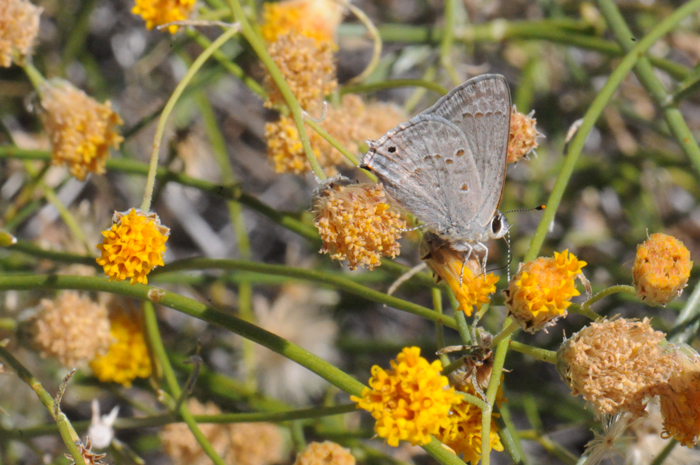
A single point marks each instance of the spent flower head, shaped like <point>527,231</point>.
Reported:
<point>159,12</point>
<point>89,457</point>
<point>71,328</point>
<point>307,66</point>
<point>127,357</point>
<point>661,269</point>
<point>19,26</point>
<point>133,246</point>
<point>324,453</point>
<point>471,287</point>
<point>410,401</point>
<point>522,140</point>
<point>81,129</point>
<point>614,364</point>
<point>315,19</point>
<point>356,223</point>
<point>680,397</point>
<point>541,290</point>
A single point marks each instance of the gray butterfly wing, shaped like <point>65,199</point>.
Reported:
<point>481,108</point>
<point>426,166</point>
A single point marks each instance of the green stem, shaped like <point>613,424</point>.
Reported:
<point>665,452</point>
<point>594,111</point>
<point>34,76</point>
<point>585,308</point>
<point>542,355</point>
<point>486,412</point>
<point>645,73</point>
<point>686,89</point>
<point>439,329</point>
<point>160,128</point>
<point>393,84</point>
<point>68,434</point>
<point>448,35</point>
<point>463,328</point>
<point>336,281</point>
<point>506,332</point>
<point>688,321</point>
<point>156,343</point>
<point>259,47</point>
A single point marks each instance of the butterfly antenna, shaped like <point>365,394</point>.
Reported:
<point>538,208</point>
<point>510,255</point>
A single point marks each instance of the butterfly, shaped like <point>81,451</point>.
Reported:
<point>447,165</point>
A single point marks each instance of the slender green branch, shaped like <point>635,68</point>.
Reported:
<point>35,77</point>
<point>463,327</point>
<point>393,84</point>
<point>64,426</point>
<point>160,128</point>
<point>542,355</point>
<point>506,332</point>
<point>665,452</point>
<point>689,87</point>
<point>645,73</point>
<point>686,327</point>
<point>259,47</point>
<point>338,282</point>
<point>376,41</point>
<point>585,308</point>
<point>447,41</point>
<point>156,343</point>
<point>439,329</point>
<point>594,111</point>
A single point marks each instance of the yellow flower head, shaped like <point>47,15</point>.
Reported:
<point>462,431</point>
<point>133,246</point>
<point>447,263</point>
<point>661,269</point>
<point>81,130</point>
<point>523,136</point>
<point>325,453</point>
<point>19,26</point>
<point>541,291</point>
<point>307,66</point>
<point>157,12</point>
<point>356,223</point>
<point>127,358</point>
<point>680,398</point>
<point>71,328</point>
<point>410,401</point>
<point>614,364</point>
<point>315,19</point>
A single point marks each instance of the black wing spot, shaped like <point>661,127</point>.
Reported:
<point>448,161</point>
<point>426,158</point>
<point>460,152</point>
<point>392,149</point>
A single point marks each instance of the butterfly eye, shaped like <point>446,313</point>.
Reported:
<point>499,225</point>
<point>392,149</point>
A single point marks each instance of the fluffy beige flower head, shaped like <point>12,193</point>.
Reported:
<point>19,26</point>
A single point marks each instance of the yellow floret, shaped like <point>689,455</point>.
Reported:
<point>158,12</point>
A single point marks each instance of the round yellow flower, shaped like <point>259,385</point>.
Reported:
<point>81,130</point>
<point>462,433</point>
<point>315,19</point>
<point>541,291</point>
<point>133,246</point>
<point>410,401</point>
<point>356,223</point>
<point>157,12</point>
<point>661,269</point>
<point>127,358</point>
<point>447,263</point>
<point>523,136</point>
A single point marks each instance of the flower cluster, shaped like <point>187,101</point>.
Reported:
<point>680,397</point>
<point>523,136</point>
<point>133,246</point>
<point>356,223</point>
<point>307,67</point>
<point>324,453</point>
<point>127,358</point>
<point>81,130</point>
<point>159,12</point>
<point>19,26</point>
<point>541,291</point>
<point>71,328</point>
<point>661,269</point>
<point>353,122</point>
<point>410,401</point>
<point>315,19</point>
<point>462,431</point>
<point>471,287</point>
<point>239,443</point>
<point>614,364</point>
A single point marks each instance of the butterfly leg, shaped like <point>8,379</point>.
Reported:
<point>470,249</point>
<point>486,256</point>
